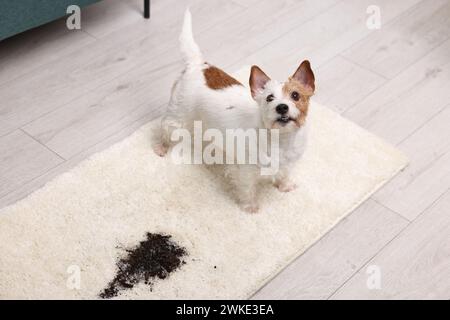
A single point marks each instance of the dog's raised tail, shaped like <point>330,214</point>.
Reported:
<point>189,48</point>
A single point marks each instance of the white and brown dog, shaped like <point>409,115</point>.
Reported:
<point>206,93</point>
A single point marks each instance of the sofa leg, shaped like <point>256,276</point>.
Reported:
<point>146,9</point>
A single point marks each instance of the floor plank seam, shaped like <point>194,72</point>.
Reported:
<point>42,144</point>
<point>7,133</point>
<point>359,100</point>
<point>90,35</point>
<point>428,165</point>
<point>423,125</point>
<point>424,55</point>
<point>390,209</point>
<point>399,74</point>
<point>362,66</point>
<point>369,259</point>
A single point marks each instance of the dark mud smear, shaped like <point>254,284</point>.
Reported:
<point>155,257</point>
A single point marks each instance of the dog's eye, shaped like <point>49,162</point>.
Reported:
<point>295,96</point>
<point>270,97</point>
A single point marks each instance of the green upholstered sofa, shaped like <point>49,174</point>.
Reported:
<point>19,15</point>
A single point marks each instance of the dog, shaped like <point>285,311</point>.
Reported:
<point>206,93</point>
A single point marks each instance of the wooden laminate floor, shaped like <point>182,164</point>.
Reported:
<point>67,94</point>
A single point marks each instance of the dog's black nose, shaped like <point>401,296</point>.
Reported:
<point>282,108</point>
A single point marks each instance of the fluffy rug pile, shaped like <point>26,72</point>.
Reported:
<point>105,225</point>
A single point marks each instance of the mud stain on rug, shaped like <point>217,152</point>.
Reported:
<point>155,257</point>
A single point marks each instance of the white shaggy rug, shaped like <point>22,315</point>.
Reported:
<point>85,217</point>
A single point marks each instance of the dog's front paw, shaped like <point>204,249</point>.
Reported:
<point>286,186</point>
<point>160,149</point>
<point>250,208</point>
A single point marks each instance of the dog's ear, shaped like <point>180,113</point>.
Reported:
<point>305,75</point>
<point>258,80</point>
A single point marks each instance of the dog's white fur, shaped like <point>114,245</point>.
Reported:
<point>232,108</point>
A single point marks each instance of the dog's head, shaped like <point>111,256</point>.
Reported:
<point>285,105</point>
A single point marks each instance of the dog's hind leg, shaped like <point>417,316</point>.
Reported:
<point>169,122</point>
<point>163,141</point>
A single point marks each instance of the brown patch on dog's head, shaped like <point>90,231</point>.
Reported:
<point>217,79</point>
<point>299,88</point>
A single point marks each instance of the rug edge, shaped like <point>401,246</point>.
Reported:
<point>403,163</point>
